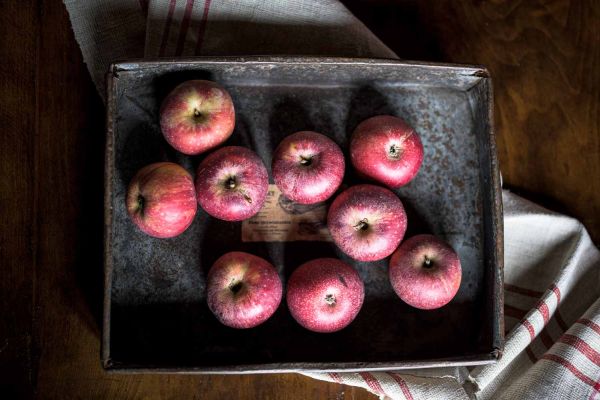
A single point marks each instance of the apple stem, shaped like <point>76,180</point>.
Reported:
<point>394,152</point>
<point>197,113</point>
<point>427,263</point>
<point>362,225</point>
<point>248,198</point>
<point>231,183</point>
<point>141,202</point>
<point>306,161</point>
<point>236,287</point>
<point>330,299</point>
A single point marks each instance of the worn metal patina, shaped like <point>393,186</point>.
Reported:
<point>156,318</point>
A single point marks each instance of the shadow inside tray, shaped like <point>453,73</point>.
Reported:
<point>220,237</point>
<point>366,102</point>
<point>288,116</point>
<point>187,334</point>
<point>143,145</point>
<point>296,254</point>
<point>416,225</point>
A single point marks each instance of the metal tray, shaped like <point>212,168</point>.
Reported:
<point>155,314</point>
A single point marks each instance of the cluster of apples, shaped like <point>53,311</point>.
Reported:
<point>366,221</point>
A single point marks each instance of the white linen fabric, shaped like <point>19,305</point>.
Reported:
<point>552,278</point>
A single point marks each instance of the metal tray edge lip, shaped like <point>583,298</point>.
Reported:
<point>119,66</point>
<point>497,207</point>
<point>303,367</point>
<point>130,65</point>
<point>111,81</point>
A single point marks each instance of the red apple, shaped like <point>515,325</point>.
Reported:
<point>387,150</point>
<point>425,272</point>
<point>325,295</point>
<point>308,167</point>
<point>243,290</point>
<point>161,200</point>
<point>367,222</point>
<point>232,183</point>
<point>197,116</point>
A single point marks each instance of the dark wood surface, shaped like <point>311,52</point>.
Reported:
<point>543,55</point>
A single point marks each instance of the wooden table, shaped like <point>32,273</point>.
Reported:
<point>543,55</point>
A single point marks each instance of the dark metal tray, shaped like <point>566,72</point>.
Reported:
<point>155,314</point>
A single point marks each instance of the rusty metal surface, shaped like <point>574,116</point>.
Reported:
<point>156,318</point>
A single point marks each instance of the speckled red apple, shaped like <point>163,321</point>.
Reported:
<point>386,149</point>
<point>243,290</point>
<point>367,222</point>
<point>232,183</point>
<point>197,116</point>
<point>325,295</point>
<point>161,200</point>
<point>425,272</point>
<point>308,167</point>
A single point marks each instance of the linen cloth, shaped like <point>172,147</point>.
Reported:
<point>552,278</point>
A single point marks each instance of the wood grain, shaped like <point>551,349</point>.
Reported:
<point>543,56</point>
<point>17,195</point>
<point>545,61</point>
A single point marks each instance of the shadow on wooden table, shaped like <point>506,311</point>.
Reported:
<point>88,240</point>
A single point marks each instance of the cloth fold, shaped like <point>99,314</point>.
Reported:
<point>552,278</point>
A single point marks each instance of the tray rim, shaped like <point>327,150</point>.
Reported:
<point>494,192</point>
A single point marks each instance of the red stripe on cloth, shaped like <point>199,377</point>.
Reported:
<point>542,307</point>
<point>372,382</point>
<point>530,354</point>
<point>582,347</point>
<point>202,27</point>
<point>165,36</point>
<point>556,291</point>
<point>568,365</point>
<point>523,291</point>
<point>336,377</point>
<point>402,384</point>
<point>514,312</point>
<point>560,321</point>
<point>185,23</point>
<point>590,324</point>
<point>530,328</point>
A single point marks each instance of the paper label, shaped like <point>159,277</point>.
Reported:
<point>282,220</point>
